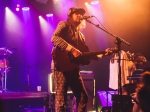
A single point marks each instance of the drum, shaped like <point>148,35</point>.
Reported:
<point>4,65</point>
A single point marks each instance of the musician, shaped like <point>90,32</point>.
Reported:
<point>139,61</point>
<point>69,41</point>
<point>142,101</point>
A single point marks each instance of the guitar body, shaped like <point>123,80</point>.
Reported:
<point>82,60</point>
<point>62,61</point>
<point>65,61</point>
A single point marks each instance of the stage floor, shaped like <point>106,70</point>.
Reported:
<point>23,101</point>
<point>18,95</point>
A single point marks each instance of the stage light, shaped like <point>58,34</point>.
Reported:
<point>55,1</point>
<point>6,8</point>
<point>49,15</point>
<point>25,8</point>
<point>11,22</point>
<point>94,2</point>
<point>18,5</point>
<point>86,3</point>
<point>17,9</point>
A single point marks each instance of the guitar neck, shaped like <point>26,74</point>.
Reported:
<point>92,53</point>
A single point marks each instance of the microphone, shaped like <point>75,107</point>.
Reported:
<point>86,17</point>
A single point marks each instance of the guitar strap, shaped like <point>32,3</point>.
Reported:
<point>81,37</point>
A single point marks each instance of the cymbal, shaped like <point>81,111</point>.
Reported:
<point>2,51</point>
<point>5,51</point>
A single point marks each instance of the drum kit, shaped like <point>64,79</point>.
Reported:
<point>4,66</point>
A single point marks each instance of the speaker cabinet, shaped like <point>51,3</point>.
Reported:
<point>126,105</point>
<point>109,101</point>
<point>89,83</point>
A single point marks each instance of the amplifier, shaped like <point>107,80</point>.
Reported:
<point>87,76</point>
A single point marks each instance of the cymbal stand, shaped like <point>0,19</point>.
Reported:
<point>4,76</point>
<point>28,77</point>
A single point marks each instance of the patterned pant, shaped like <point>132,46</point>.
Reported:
<point>72,79</point>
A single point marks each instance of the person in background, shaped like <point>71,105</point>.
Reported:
<point>142,97</point>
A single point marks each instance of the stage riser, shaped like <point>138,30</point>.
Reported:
<point>21,105</point>
<point>23,101</point>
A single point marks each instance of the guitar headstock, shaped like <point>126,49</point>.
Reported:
<point>114,50</point>
<point>110,51</point>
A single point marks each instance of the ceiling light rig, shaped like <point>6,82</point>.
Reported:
<point>18,7</point>
<point>49,15</point>
<point>94,2</point>
<point>25,8</point>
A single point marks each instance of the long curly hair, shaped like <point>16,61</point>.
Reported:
<point>143,92</point>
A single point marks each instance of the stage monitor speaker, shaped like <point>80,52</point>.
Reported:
<point>104,100</point>
<point>89,82</point>
<point>126,103</point>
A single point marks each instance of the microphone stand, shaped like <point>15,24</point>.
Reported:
<point>118,41</point>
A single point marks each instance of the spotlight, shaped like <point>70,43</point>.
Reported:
<point>94,2</point>
<point>25,8</point>
<point>55,1</point>
<point>49,15</point>
<point>86,3</point>
<point>18,5</point>
<point>17,9</point>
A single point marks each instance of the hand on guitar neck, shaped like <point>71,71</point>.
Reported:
<point>108,52</point>
<point>81,58</point>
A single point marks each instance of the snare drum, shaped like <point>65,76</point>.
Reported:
<point>4,65</point>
